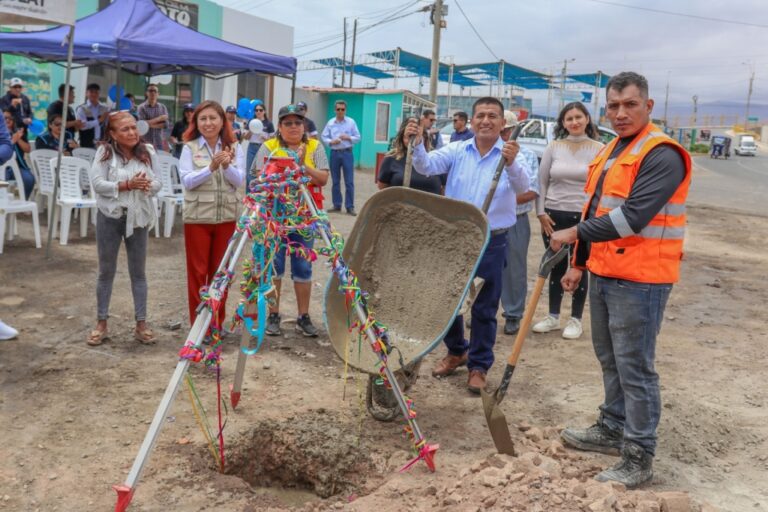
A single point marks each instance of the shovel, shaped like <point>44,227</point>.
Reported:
<point>497,422</point>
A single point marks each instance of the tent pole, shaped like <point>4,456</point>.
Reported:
<point>450,86</point>
<point>118,95</point>
<point>293,88</point>
<point>397,64</point>
<point>62,138</point>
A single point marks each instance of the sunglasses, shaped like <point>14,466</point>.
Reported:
<point>259,110</point>
<point>151,90</point>
<point>291,124</point>
<point>340,109</point>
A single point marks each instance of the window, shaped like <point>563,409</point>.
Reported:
<point>382,122</point>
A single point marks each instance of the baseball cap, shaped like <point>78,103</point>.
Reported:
<point>16,81</point>
<point>301,105</point>
<point>189,106</point>
<point>510,119</point>
<point>290,110</point>
<point>231,109</point>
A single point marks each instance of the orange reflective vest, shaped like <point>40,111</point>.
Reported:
<point>653,255</point>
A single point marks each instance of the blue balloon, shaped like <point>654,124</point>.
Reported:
<point>125,103</point>
<point>113,92</point>
<point>36,127</point>
<point>244,108</point>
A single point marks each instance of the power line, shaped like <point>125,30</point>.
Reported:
<point>682,15</point>
<point>475,31</point>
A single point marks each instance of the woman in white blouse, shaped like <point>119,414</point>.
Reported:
<point>212,169</point>
<point>124,181</point>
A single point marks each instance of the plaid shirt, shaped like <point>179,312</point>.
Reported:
<point>155,135</point>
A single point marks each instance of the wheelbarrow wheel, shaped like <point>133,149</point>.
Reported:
<point>380,401</point>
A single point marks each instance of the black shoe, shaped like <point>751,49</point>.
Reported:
<point>335,209</point>
<point>273,324</point>
<point>352,212</point>
<point>597,438</point>
<point>511,326</point>
<point>305,327</point>
<point>634,469</point>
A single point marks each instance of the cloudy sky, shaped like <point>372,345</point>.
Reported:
<point>709,49</point>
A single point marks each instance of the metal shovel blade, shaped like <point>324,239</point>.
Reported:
<point>497,424</point>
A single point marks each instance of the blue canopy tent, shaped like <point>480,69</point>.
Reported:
<point>135,36</point>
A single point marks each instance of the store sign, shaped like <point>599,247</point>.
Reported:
<point>30,12</point>
<point>182,13</point>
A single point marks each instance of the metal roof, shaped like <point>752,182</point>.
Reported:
<point>359,69</point>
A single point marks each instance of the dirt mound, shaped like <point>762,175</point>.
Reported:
<point>319,451</point>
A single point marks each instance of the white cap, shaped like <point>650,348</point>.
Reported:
<point>510,119</point>
<point>16,81</point>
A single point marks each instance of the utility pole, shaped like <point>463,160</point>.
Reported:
<point>749,99</point>
<point>437,21</point>
<point>666,102</point>
<point>562,83</point>
<point>344,58</point>
<point>352,57</point>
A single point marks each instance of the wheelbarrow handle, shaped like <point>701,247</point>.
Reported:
<point>409,163</point>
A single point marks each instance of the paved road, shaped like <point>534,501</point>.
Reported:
<point>739,183</point>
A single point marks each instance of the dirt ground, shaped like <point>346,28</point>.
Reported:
<point>73,416</point>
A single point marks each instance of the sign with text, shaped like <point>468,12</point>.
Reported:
<point>33,12</point>
<point>182,13</point>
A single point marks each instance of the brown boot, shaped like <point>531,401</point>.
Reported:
<point>476,381</point>
<point>448,365</point>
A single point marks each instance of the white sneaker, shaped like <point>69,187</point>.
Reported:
<point>572,329</point>
<point>548,324</point>
<point>7,332</point>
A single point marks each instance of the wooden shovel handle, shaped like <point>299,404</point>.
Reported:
<point>527,320</point>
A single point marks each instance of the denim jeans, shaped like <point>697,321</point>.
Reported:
<point>343,160</point>
<point>482,337</point>
<point>626,318</point>
<point>301,268</point>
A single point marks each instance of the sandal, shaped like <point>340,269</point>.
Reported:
<point>96,337</point>
<point>145,337</point>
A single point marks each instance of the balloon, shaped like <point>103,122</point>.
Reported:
<point>113,92</point>
<point>36,127</point>
<point>162,79</point>
<point>255,126</point>
<point>142,127</point>
<point>244,108</point>
<point>125,103</point>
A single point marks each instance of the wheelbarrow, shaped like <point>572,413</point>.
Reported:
<point>415,254</point>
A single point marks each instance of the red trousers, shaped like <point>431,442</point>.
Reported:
<point>205,245</point>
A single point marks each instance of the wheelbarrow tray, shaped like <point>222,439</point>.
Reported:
<point>415,255</point>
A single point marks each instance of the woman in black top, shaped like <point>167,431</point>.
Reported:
<point>392,170</point>
<point>50,139</point>
<point>179,128</point>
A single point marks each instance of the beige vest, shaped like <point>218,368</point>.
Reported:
<point>214,201</point>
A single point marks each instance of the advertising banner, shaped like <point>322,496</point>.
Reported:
<point>31,12</point>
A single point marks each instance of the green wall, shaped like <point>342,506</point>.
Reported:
<point>362,108</point>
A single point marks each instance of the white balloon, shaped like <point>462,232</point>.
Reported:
<point>255,126</point>
<point>142,127</point>
<point>162,79</point>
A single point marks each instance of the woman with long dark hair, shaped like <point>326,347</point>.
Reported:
<point>392,170</point>
<point>562,177</point>
<point>212,169</point>
<point>124,181</point>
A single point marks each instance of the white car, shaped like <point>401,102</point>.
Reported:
<point>536,135</point>
<point>746,146</point>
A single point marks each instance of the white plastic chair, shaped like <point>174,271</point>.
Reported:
<point>12,206</point>
<point>167,196</point>
<point>71,195</point>
<point>46,177</point>
<point>88,154</point>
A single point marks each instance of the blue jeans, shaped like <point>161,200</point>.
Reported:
<point>343,159</point>
<point>253,148</point>
<point>626,318</point>
<point>26,176</point>
<point>514,278</point>
<point>301,269</point>
<point>482,337</point>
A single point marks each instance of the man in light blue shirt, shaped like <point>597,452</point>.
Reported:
<point>515,276</point>
<point>340,134</point>
<point>470,166</point>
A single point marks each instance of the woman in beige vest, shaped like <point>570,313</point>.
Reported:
<point>212,168</point>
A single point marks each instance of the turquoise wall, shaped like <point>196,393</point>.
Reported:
<point>362,108</point>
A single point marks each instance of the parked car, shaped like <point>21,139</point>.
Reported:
<point>746,146</point>
<point>536,135</point>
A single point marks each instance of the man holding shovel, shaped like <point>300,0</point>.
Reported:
<point>631,240</point>
<point>470,166</point>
